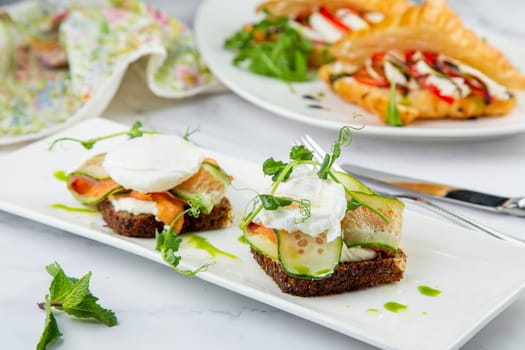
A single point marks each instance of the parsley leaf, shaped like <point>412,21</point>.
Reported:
<point>51,331</point>
<point>392,112</point>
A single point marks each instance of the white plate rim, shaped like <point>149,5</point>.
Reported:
<point>280,301</point>
<point>411,133</point>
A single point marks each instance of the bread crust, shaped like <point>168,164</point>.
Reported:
<point>348,276</point>
<point>430,27</point>
<point>295,8</point>
<point>145,225</point>
<point>418,104</point>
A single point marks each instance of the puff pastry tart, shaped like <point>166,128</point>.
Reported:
<point>325,22</point>
<point>440,68</point>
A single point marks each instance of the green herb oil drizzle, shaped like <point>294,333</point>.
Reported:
<point>242,239</point>
<point>429,291</point>
<point>203,244</point>
<point>73,209</point>
<point>60,175</point>
<point>392,306</point>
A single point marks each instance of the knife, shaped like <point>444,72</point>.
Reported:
<point>513,206</point>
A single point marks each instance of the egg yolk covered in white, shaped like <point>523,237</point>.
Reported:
<point>327,205</point>
<point>153,163</point>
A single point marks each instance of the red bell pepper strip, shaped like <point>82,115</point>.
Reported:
<point>334,20</point>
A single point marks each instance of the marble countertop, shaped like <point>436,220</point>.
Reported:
<point>158,308</point>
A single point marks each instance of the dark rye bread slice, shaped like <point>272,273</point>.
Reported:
<point>348,276</point>
<point>145,225</point>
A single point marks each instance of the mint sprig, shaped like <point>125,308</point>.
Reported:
<point>51,331</point>
<point>72,296</point>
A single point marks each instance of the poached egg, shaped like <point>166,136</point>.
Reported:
<point>327,200</point>
<point>153,163</point>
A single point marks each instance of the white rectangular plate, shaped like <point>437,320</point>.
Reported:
<point>478,276</point>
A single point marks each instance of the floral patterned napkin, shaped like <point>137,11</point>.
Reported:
<point>62,60</point>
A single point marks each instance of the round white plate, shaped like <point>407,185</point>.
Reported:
<point>213,25</point>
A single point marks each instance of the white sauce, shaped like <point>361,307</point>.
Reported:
<point>327,199</point>
<point>374,17</point>
<point>353,21</point>
<point>445,86</point>
<point>356,254</point>
<point>134,206</point>
<point>393,74</point>
<point>153,163</point>
<point>307,32</point>
<point>325,28</point>
<point>495,90</point>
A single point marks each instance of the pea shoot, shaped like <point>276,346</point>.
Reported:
<point>281,171</point>
<point>134,132</point>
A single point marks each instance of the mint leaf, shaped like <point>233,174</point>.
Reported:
<point>392,112</point>
<point>88,308</point>
<point>51,331</point>
<point>78,292</point>
<point>61,284</point>
<point>73,296</point>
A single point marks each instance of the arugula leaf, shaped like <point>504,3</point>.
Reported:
<point>392,112</point>
<point>272,48</point>
<point>300,152</point>
<point>51,331</point>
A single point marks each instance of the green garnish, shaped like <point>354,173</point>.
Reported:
<point>392,112</point>
<point>270,202</point>
<point>72,296</point>
<point>134,132</point>
<point>168,242</point>
<point>272,48</point>
<point>189,132</point>
<point>300,155</point>
<point>51,331</point>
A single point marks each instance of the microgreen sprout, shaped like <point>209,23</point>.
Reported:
<point>168,242</point>
<point>189,132</point>
<point>134,132</point>
<point>270,202</point>
<point>300,155</point>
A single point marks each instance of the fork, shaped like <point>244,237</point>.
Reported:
<point>319,154</point>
